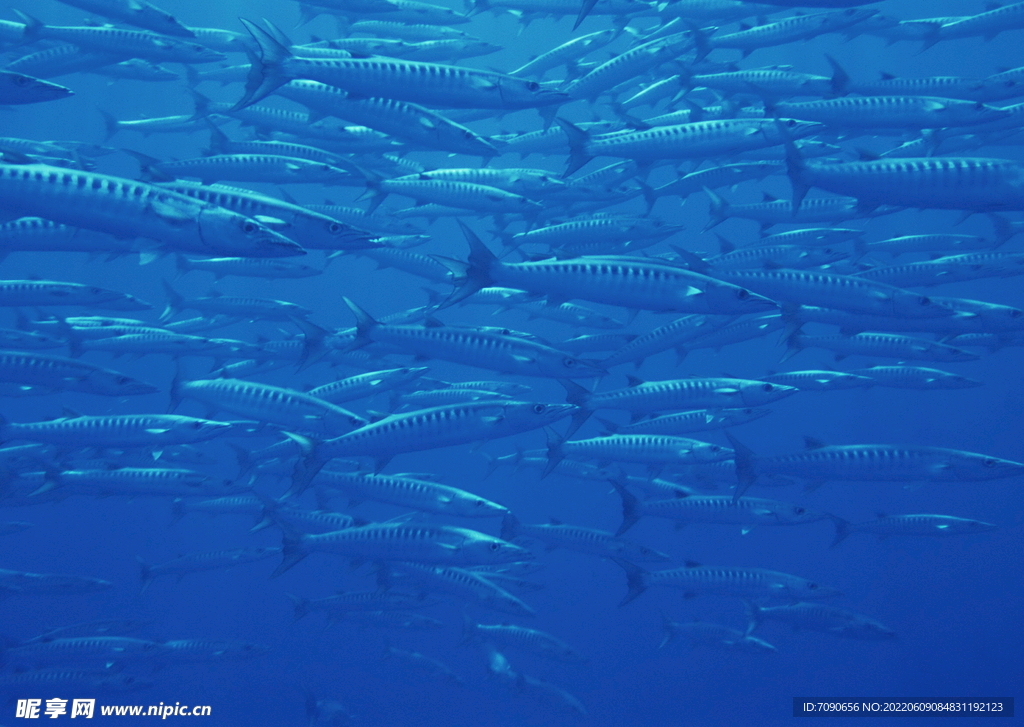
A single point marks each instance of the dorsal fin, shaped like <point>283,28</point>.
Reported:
<point>886,76</point>
<point>691,564</point>
<point>813,443</point>
<point>765,197</point>
<point>555,521</point>
<point>634,380</point>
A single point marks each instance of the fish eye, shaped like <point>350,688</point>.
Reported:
<point>122,380</point>
<point>249,227</point>
<point>495,546</point>
<point>925,300</point>
<point>768,387</point>
<point>569,362</point>
<point>812,586</point>
<point>979,106</point>
<point>990,462</point>
<point>791,123</point>
<point>467,134</point>
<point>479,503</point>
<point>21,80</point>
<point>334,228</point>
<point>197,425</point>
<point>714,448</point>
<point>539,408</point>
<point>533,85</point>
<point>1016,313</point>
<point>742,293</point>
<point>799,510</point>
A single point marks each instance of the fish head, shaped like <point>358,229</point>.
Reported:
<point>533,415</point>
<point>754,644</point>
<point>954,381</point>
<point>796,515</point>
<point>732,417</point>
<point>198,53</point>
<point>507,603</point>
<point>977,526</point>
<point>125,301</point>
<point>566,366</point>
<point>706,452</point>
<point>764,393</point>
<point>19,88</point>
<point>813,590</point>
<point>201,429</point>
<point>472,506</point>
<point>914,305</point>
<point>111,383</point>
<point>485,550</point>
<point>726,298</point>
<point>795,128</point>
<point>636,552</point>
<point>968,466</point>
<point>224,231</point>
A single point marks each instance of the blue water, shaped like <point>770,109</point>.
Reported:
<point>954,603</point>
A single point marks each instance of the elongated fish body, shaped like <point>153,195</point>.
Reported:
<point>400,119</point>
<point>532,641</point>
<point>17,88</point>
<point>630,64</point>
<point>737,332</point>
<point>697,580</point>
<point>652,396</point>
<point>418,543</point>
<point>57,61</point>
<point>314,229</point>
<point>771,83</point>
<point>230,505</point>
<point>464,584</point>
<point>248,267</point>
<point>64,374</point>
<point>688,422</point>
<point>124,42</point>
<point>252,168</point>
<point>988,24</point>
<point>962,183</point>
<point>820,380</point>
<point>702,633</point>
<point>409,492</point>
<point>267,403</point>
<point>48,293</point>
<point>936,243</point>
<point>878,463</point>
<point>888,112</point>
<point>820,617</point>
<point>933,525</point>
<point>591,230</point>
<point>85,679</point>
<point>784,212</point>
<point>887,345</point>
<point>747,512</point>
<point>797,27</point>
<point>95,649</point>
<point>369,221</point>
<point>132,481</point>
<point>139,14</point>
<point>368,384</point>
<point>431,428</point>
<point>672,335</point>
<point>117,430</point>
<point>829,290</point>
<point>431,84</point>
<point>582,540</point>
<point>812,237</point>
<point>126,208</point>
<point>650,449</point>
<point>571,50</point>
<point>915,377</point>
<point>404,31</point>
<point>49,584</point>
<point>196,562</point>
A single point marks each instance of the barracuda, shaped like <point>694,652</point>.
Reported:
<point>697,140</point>
<point>128,209</point>
<point>878,344</point>
<point>565,53</point>
<point>267,403</point>
<point>820,380</point>
<point>134,482</point>
<point>467,586</point>
<point>116,430</point>
<point>797,27</point>
<point>933,525</point>
<point>418,543</point>
<point>368,384</point>
<point>495,351</point>
<point>701,633</point>
<point>915,377</point>
<point>892,112</point>
<point>442,426</point>
<point>410,492</point>
<point>872,463</point>
<point>429,83</point>
<point>686,422</point>
<point>64,374</point>
<point>628,65</point>
<point>774,211</point>
<point>696,579</point>
<point>582,540</point>
<point>139,13</point>
<point>531,641</point>
<point>727,175</point>
<point>250,168</point>
<point>43,293</point>
<point>614,281</point>
<point>657,451</point>
<point>402,120</point>
<point>819,617</point>
<point>196,562</point>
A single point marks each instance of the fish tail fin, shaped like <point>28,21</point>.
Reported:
<point>174,301</point>
<point>314,347</point>
<point>585,7</point>
<point>630,504</point>
<point>266,73</point>
<point>245,462</point>
<point>469,627</point>
<point>793,345</point>
<point>110,125</point>
<point>746,473</point>
<point>840,80</point>
<point>718,209</point>
<point>291,551</point>
<point>306,468</point>
<point>33,26</point>
<point>667,632</point>
<point>636,580</point>
<point>477,272</point>
<point>148,166</point>
<point>218,139</point>
<point>754,615</point>
<point>509,527</point>
<point>180,265</point>
<point>301,606</point>
<point>145,574</point>
<point>578,396</point>
<point>364,325</point>
<point>555,453</point>
<point>843,530</point>
<point>177,509</point>
<point>1002,228</point>
<point>174,395</point>
<point>578,140</point>
<point>795,168</point>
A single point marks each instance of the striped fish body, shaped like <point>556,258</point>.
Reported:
<point>688,422</point>
<point>630,64</point>
<point>739,582</point>
<point>651,449</point>
<point>672,335</point>
<point>723,510</point>
<point>530,640</point>
<point>736,332</point>
<point>128,209</point>
<point>117,430</point>
<point>654,396</point>
<point>95,649</point>
<point>819,617</point>
<point>964,183</point>
<point>882,462</point>
<point>797,27</point>
<point>936,525</point>
<point>368,384</point>
<point>66,374</point>
<point>588,541</point>
<point>893,112</point>
<point>465,585</point>
<point>408,492</point>
<point>915,377</point>
<point>883,344</point>
<point>700,633</point>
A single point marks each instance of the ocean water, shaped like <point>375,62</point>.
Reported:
<point>953,602</point>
